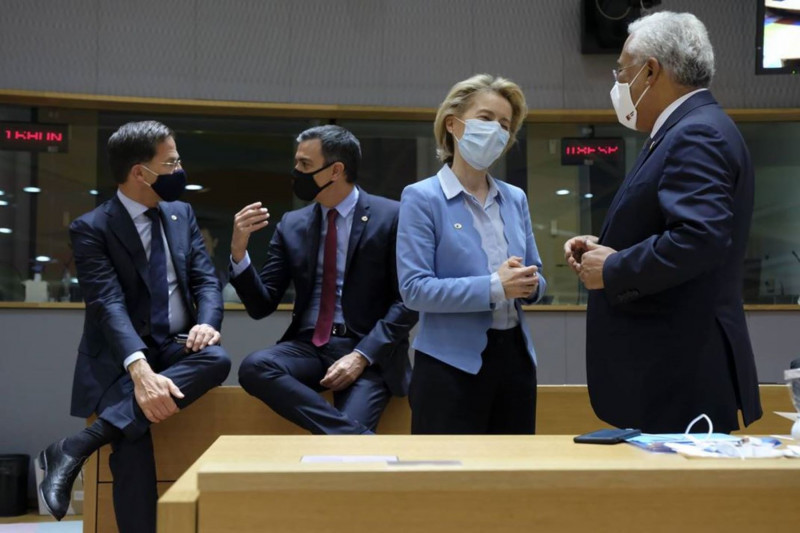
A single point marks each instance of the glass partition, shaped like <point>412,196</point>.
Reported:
<point>569,170</point>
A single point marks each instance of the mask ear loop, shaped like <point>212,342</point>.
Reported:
<point>698,442</point>
<point>703,443</point>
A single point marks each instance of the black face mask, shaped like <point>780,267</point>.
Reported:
<point>169,187</point>
<point>305,187</point>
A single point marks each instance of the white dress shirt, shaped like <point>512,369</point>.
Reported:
<point>662,118</point>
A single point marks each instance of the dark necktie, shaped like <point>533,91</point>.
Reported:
<point>159,290</point>
<point>327,301</point>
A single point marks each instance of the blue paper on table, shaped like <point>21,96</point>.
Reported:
<point>655,442</point>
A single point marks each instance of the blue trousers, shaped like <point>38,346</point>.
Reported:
<point>132,462</point>
<point>286,377</point>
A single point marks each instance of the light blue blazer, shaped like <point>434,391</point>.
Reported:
<point>443,273</point>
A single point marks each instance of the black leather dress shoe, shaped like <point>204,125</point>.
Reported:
<point>60,471</point>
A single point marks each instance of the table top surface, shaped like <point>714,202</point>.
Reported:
<point>461,462</point>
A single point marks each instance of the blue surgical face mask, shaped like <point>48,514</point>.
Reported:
<point>482,143</point>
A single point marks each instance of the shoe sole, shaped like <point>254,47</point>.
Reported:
<point>42,460</point>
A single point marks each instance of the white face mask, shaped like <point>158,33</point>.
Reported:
<point>623,102</point>
<point>482,143</point>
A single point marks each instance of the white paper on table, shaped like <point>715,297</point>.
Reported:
<point>348,458</point>
<point>786,414</point>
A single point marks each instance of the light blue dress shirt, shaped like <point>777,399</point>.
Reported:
<point>489,224</point>
<point>178,314</point>
<point>344,223</point>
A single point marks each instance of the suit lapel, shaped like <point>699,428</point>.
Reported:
<point>646,149</point>
<point>123,227</point>
<point>511,222</point>
<point>173,225</point>
<point>698,100</point>
<point>360,219</point>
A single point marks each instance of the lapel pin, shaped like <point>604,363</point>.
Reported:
<point>364,218</point>
<point>457,225</point>
<point>173,217</point>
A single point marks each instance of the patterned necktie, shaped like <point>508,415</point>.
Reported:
<point>159,291</point>
<point>327,301</point>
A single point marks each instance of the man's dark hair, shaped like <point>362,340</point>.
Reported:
<point>134,143</point>
<point>338,144</point>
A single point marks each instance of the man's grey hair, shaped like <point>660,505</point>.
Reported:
<point>679,41</point>
<point>338,144</point>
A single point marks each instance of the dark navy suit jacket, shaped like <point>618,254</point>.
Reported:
<point>113,273</point>
<point>371,302</point>
<point>666,337</point>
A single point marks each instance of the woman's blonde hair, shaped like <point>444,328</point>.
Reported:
<point>459,99</point>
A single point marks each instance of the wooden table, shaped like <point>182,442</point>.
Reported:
<point>503,483</point>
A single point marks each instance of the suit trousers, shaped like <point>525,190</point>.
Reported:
<point>132,462</point>
<point>499,399</point>
<point>286,377</point>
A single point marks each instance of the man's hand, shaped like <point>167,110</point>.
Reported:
<point>153,392</point>
<point>344,372</point>
<point>200,336</point>
<point>251,218</point>
<point>518,281</point>
<point>574,249</point>
<point>590,269</point>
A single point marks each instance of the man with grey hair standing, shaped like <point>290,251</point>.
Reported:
<point>349,330</point>
<point>666,336</point>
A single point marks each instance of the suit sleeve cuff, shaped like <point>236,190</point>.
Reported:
<point>238,268</point>
<point>497,294</point>
<point>368,358</point>
<point>132,358</point>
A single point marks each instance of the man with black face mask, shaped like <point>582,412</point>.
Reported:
<point>150,343</point>
<point>349,330</point>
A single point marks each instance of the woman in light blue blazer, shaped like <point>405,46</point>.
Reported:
<point>467,260</point>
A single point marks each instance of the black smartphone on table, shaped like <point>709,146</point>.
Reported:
<point>607,436</point>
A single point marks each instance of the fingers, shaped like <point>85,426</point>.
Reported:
<point>524,272</point>
<point>569,247</point>
<point>192,338</point>
<point>160,408</point>
<point>150,416</point>
<point>514,261</point>
<point>342,382</point>
<point>173,389</point>
<point>251,218</point>
<point>254,205</point>
<point>330,375</point>
<point>200,336</point>
<point>338,377</point>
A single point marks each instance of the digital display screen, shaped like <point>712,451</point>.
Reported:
<point>580,151</point>
<point>778,37</point>
<point>34,137</point>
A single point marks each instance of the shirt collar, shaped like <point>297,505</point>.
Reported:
<point>662,118</point>
<point>134,208</point>
<point>452,187</point>
<point>345,206</point>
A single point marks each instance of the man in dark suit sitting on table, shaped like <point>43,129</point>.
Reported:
<point>349,330</point>
<point>140,293</point>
